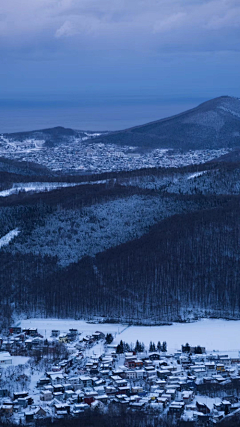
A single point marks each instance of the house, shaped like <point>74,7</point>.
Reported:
<point>163,400</point>
<point>69,394</point>
<point>98,335</point>
<point>85,381</point>
<point>15,330</point>
<point>46,396</point>
<point>57,388</point>
<point>43,381</point>
<point>79,407</point>
<point>171,392</point>
<point>64,339</point>
<point>220,367</point>
<point>163,374</point>
<point>40,412</point>
<point>73,333</point>
<point>20,394</point>
<point>202,407</point>
<point>111,391</point>
<point>23,401</point>
<point>124,390</point>
<point>55,333</point>
<point>187,396</point>
<point>89,400</point>
<point>33,332</point>
<point>62,408</point>
<point>29,416</point>
<point>154,356</point>
<point>131,375</point>
<point>102,398</point>
<point>176,408</point>
<point>150,370</point>
<point>6,409</point>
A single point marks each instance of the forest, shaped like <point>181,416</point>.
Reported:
<point>120,251</point>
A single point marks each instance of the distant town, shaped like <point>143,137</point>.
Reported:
<point>87,156</point>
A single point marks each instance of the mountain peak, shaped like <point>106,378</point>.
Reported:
<point>213,124</point>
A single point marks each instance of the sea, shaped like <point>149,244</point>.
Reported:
<point>94,114</point>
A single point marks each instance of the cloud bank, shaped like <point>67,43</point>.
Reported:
<point>121,24</point>
<point>120,48</point>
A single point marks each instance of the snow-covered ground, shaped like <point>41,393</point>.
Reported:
<point>219,335</point>
<point>35,187</point>
<point>38,187</point>
<point>16,361</point>
<point>209,401</point>
<point>8,237</point>
<point>194,175</point>
<point>45,326</point>
<point>214,334</point>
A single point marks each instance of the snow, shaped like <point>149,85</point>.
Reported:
<point>209,401</point>
<point>230,111</point>
<point>8,237</point>
<point>38,187</point>
<point>194,175</point>
<point>214,334</point>
<point>34,187</point>
<point>45,326</point>
<point>16,360</point>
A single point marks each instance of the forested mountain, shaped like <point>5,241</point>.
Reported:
<point>144,246</point>
<point>213,124</point>
<point>51,136</point>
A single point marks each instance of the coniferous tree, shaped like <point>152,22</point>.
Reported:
<point>164,346</point>
<point>109,338</point>
<point>120,348</point>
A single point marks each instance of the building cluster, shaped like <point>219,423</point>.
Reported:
<point>92,374</point>
<point>89,156</point>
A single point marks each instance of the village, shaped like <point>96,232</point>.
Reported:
<point>69,373</point>
<point>87,156</point>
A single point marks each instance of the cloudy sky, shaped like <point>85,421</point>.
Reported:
<point>55,51</point>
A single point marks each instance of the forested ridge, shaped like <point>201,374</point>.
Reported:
<point>134,248</point>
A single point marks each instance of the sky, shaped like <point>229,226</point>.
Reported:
<point>96,53</point>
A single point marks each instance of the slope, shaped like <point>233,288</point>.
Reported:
<point>213,124</point>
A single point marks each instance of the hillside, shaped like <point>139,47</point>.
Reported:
<point>151,245</point>
<point>213,124</point>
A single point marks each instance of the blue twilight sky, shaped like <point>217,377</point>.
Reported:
<point>91,55</point>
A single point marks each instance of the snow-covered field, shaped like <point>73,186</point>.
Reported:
<point>45,326</point>
<point>220,335</point>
